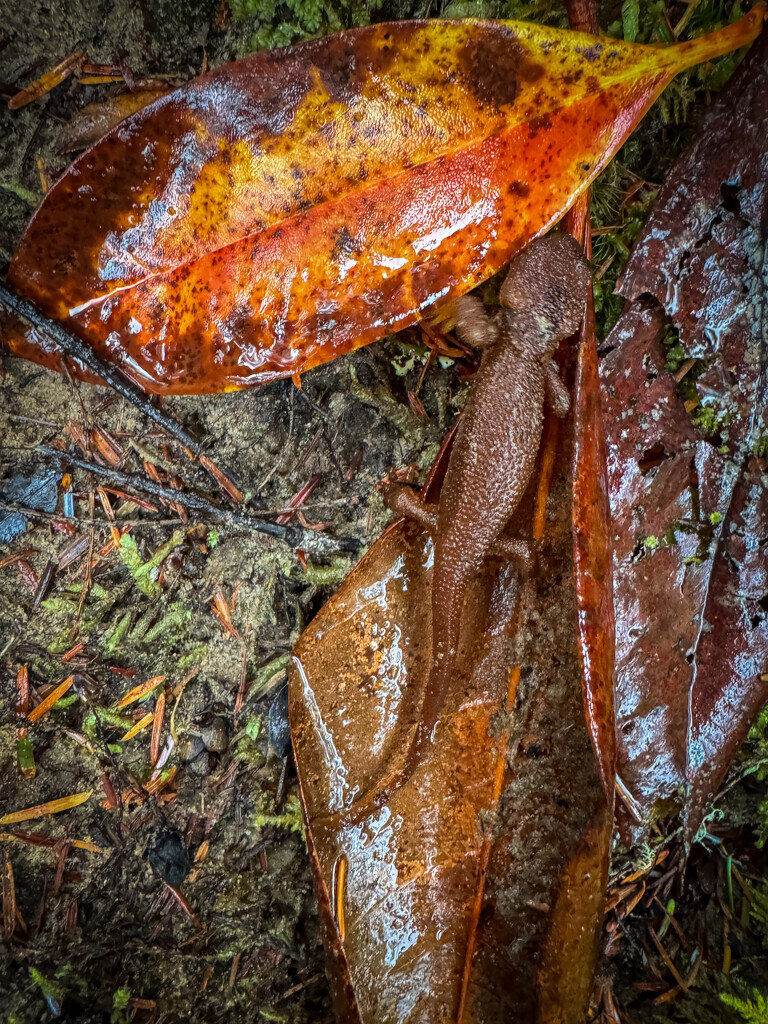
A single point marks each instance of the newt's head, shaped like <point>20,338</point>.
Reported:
<point>545,292</point>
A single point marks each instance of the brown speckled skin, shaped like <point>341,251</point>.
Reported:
<point>497,441</point>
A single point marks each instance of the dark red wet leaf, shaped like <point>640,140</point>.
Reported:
<point>592,546</point>
<point>690,511</point>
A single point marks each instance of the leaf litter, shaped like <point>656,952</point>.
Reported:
<point>380,453</point>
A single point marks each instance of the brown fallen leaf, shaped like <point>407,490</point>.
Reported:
<point>96,119</point>
<point>476,892</point>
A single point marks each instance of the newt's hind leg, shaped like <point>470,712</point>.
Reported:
<point>512,549</point>
<point>558,398</point>
<point>403,499</point>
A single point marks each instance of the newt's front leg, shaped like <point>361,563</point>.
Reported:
<point>402,498</point>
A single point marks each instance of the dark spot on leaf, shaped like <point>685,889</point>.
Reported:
<point>344,245</point>
<point>537,124</point>
<point>729,195</point>
<point>347,63</point>
<point>652,458</point>
<point>493,65</point>
<point>590,53</point>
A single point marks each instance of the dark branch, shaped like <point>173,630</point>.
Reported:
<point>297,537</point>
<point>72,346</point>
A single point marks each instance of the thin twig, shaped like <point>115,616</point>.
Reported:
<point>72,346</point>
<point>296,537</point>
<point>57,517</point>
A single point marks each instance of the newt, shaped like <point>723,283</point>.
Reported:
<point>496,445</point>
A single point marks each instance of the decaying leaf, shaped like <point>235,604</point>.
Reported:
<point>287,208</point>
<point>475,892</point>
<point>690,510</point>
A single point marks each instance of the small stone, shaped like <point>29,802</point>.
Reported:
<point>169,857</point>
<point>277,724</point>
<point>215,735</point>
<point>190,747</point>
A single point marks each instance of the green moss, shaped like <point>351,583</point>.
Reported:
<point>754,1010</point>
<point>630,19</point>
<point>115,636</point>
<point>121,1006</point>
<point>710,420</point>
<point>264,674</point>
<point>144,572</point>
<point>172,624</point>
<point>59,605</point>
<point>51,989</point>
<point>676,355</point>
<point>107,716</point>
<point>611,247</point>
<point>280,22</point>
<point>329,575</point>
<point>253,727</point>
<point>193,657</point>
<point>64,702</point>
<point>291,819</point>
<point>25,194</point>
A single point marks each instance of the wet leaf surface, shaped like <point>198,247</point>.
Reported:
<point>96,119</point>
<point>292,206</point>
<point>690,510</point>
<point>475,893</point>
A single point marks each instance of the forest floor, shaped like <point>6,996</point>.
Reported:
<point>103,937</point>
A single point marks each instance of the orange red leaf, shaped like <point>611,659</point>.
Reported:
<point>297,204</point>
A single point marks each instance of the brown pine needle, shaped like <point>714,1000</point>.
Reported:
<point>64,803</point>
<point>84,844</point>
<point>22,684</point>
<point>38,839</point>
<point>9,899</point>
<point>140,691</point>
<point>140,725</point>
<point>47,81</point>
<point>157,728</point>
<point>55,695</point>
